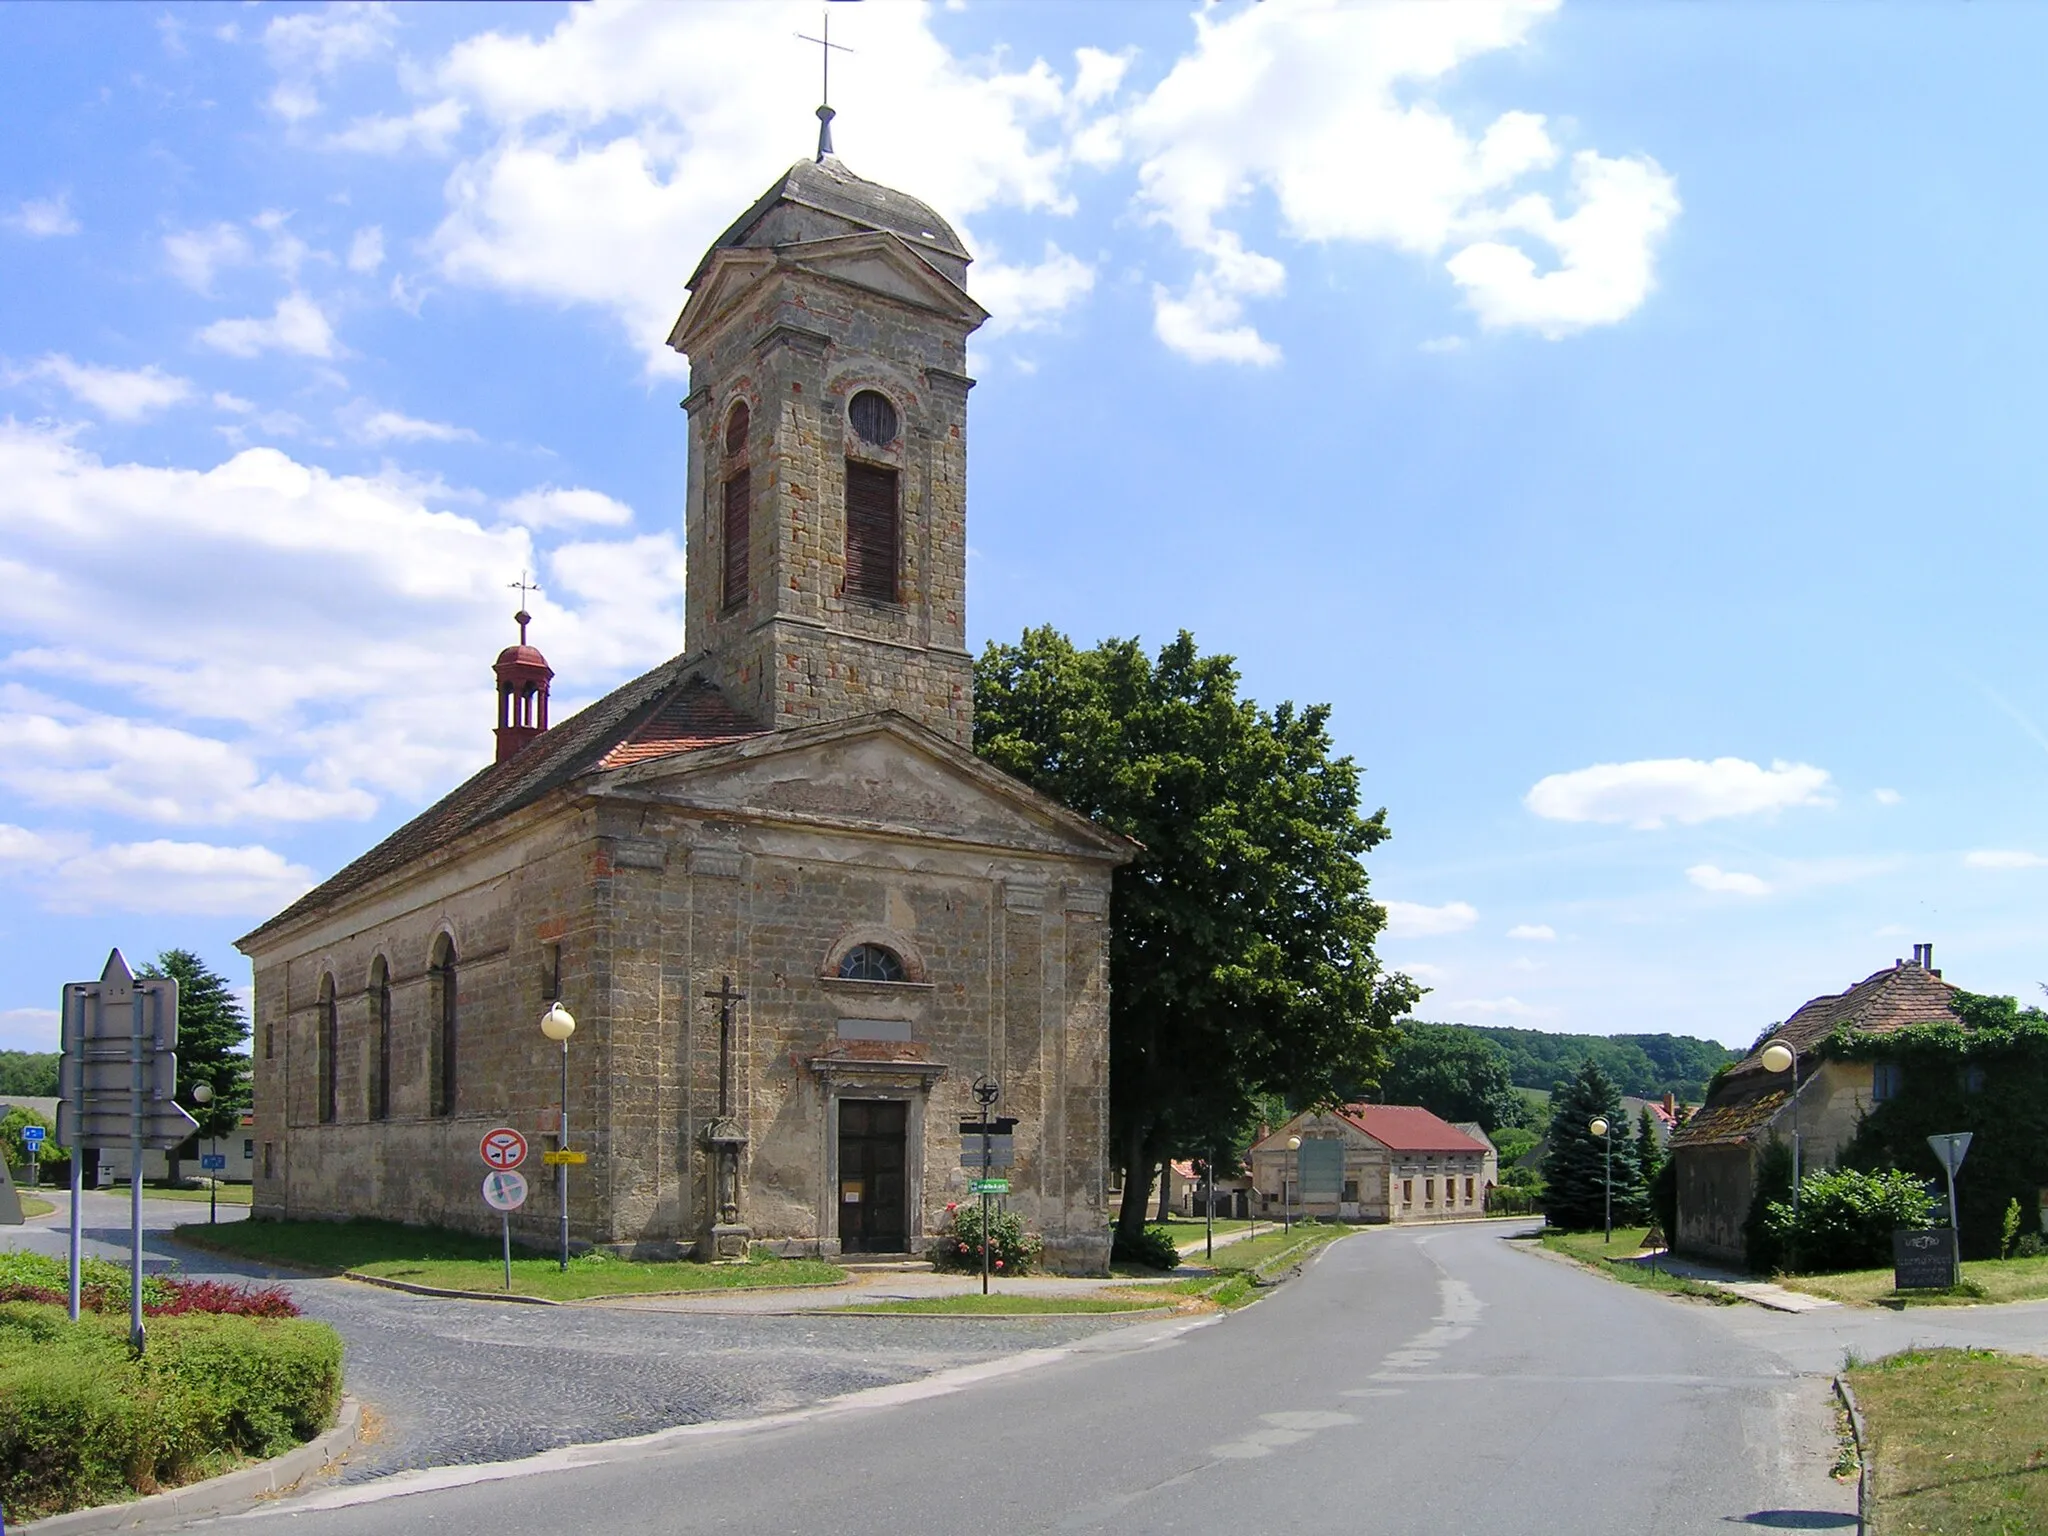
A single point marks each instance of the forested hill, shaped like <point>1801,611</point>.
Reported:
<point>1643,1065</point>
<point>32,1074</point>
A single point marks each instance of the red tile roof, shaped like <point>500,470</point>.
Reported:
<point>692,716</point>
<point>1748,1097</point>
<point>1409,1128</point>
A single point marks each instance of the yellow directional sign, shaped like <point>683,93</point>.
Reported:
<point>569,1157</point>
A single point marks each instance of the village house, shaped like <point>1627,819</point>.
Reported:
<point>794,917</point>
<point>1373,1163</point>
<point>1717,1150</point>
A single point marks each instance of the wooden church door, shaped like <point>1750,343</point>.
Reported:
<point>872,1162</point>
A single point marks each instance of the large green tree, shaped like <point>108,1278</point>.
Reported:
<point>1453,1073</point>
<point>211,1029</point>
<point>1241,935</point>
<point>1578,1164</point>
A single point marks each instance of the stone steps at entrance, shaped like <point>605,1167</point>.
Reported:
<point>864,1263</point>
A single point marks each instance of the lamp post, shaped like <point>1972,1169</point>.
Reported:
<point>1293,1166</point>
<point>1599,1128</point>
<point>1780,1055</point>
<point>558,1023</point>
<point>202,1095</point>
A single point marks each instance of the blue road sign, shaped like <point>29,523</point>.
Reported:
<point>32,1135</point>
<point>214,1161</point>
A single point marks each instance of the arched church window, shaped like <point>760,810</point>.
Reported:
<point>442,1078</point>
<point>873,417</point>
<point>870,531</point>
<point>871,962</point>
<point>737,525</point>
<point>327,1050</point>
<point>380,1011</point>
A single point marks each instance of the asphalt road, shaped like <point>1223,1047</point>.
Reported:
<point>1411,1382</point>
<point>453,1383</point>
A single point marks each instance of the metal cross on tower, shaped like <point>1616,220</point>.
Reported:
<point>825,113</point>
<point>522,586</point>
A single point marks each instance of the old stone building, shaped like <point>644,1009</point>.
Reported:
<point>1373,1163</point>
<point>791,804</point>
<point>1716,1152</point>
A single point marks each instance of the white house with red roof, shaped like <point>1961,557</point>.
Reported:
<point>1373,1162</point>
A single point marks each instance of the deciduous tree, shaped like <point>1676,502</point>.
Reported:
<point>1241,935</point>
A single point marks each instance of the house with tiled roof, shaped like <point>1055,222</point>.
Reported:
<point>1717,1150</point>
<point>1373,1163</point>
<point>794,917</point>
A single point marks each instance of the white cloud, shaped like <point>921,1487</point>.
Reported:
<point>396,427</point>
<point>42,218</point>
<point>1329,109</point>
<point>550,507</point>
<point>164,876</point>
<point>305,639</point>
<point>2004,858</point>
<point>611,149</point>
<point>1886,796</point>
<point>1727,882</point>
<point>366,250</point>
<point>197,254</point>
<point>1532,931</point>
<point>430,129</point>
<point>1412,920</point>
<point>1029,297</point>
<point>1688,790</point>
<point>29,1029</point>
<point>296,325</point>
<point>120,394</point>
<point>308,46</point>
<point>1422,970</point>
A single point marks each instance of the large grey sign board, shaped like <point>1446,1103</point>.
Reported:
<point>113,1029</point>
<point>1924,1260</point>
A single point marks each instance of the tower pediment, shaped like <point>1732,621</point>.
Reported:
<point>879,263</point>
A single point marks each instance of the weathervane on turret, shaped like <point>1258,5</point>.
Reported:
<point>825,113</point>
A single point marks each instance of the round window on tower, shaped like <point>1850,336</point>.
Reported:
<point>736,431</point>
<point>873,417</point>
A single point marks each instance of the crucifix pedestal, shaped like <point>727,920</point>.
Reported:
<point>724,1139</point>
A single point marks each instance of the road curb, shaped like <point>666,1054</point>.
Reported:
<point>411,1289</point>
<point>1860,1434</point>
<point>278,1475</point>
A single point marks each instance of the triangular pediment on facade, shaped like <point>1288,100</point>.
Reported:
<point>878,774</point>
<point>877,263</point>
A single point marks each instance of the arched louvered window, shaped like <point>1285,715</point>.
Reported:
<point>328,1050</point>
<point>737,526</point>
<point>380,1014</point>
<point>445,990</point>
<point>871,962</point>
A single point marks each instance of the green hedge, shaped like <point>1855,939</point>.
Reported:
<point>82,1422</point>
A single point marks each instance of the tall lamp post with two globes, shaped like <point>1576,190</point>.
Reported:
<point>1599,1128</point>
<point>558,1023</point>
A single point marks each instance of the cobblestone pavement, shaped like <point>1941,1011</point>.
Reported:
<point>455,1382</point>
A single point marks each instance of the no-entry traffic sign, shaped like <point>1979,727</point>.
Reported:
<point>504,1190</point>
<point>502,1148</point>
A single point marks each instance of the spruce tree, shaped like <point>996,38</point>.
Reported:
<point>1575,1166</point>
<point>1649,1158</point>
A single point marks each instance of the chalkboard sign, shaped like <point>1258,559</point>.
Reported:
<point>1924,1260</point>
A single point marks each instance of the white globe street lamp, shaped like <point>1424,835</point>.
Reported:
<point>1293,1166</point>
<point>1599,1127</point>
<point>1781,1055</point>
<point>202,1095</point>
<point>558,1024</point>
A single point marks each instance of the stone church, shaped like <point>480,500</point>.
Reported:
<point>790,810</point>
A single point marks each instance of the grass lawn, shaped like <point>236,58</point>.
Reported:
<point>1187,1229</point>
<point>974,1304</point>
<point>1615,1261</point>
<point>462,1261</point>
<point>230,1194</point>
<point>1239,1267</point>
<point>1956,1441</point>
<point>31,1206</point>
<point>1983,1280</point>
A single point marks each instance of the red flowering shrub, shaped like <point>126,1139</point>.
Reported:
<point>223,1297</point>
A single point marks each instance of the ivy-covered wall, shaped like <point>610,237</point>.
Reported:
<point>1986,1074</point>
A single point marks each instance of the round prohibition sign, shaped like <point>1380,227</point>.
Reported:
<point>502,1148</point>
<point>504,1190</point>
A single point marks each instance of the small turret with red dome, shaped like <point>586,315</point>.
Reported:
<point>523,677</point>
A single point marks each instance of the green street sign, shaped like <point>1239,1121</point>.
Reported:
<point>990,1186</point>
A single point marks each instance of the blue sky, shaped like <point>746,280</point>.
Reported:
<point>1625,417</point>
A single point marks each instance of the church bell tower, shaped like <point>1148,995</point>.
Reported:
<point>826,519</point>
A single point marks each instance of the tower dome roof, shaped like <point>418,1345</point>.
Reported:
<point>521,655</point>
<point>818,199</point>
